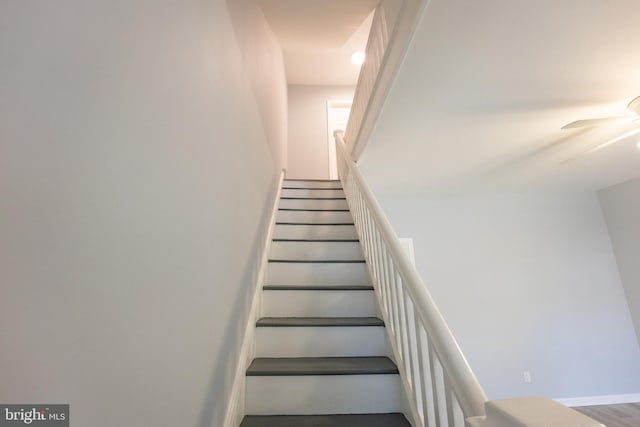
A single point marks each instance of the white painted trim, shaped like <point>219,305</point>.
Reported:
<point>460,379</point>
<point>235,407</point>
<point>331,128</point>
<point>397,47</point>
<point>613,399</point>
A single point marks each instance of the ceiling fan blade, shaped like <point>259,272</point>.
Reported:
<point>634,105</point>
<point>600,122</point>
<point>605,144</point>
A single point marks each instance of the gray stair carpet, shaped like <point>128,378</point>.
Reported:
<point>318,321</point>
<point>357,420</point>
<point>317,287</point>
<point>267,366</point>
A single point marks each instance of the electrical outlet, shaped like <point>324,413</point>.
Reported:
<point>526,375</point>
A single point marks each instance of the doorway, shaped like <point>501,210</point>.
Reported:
<point>337,118</point>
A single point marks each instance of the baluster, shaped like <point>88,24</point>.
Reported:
<point>393,314</point>
<point>425,374</point>
<point>414,370</point>
<point>366,243</point>
<point>385,286</point>
<point>374,254</point>
<point>369,237</point>
<point>402,345</point>
<point>458,414</point>
<point>383,271</point>
<point>435,381</point>
<point>358,213</point>
<point>428,385</point>
<point>389,306</point>
<point>378,252</point>
<point>405,332</point>
<point>450,400</point>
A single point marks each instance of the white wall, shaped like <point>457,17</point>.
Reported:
<point>135,170</point>
<point>264,65</point>
<point>526,282</point>
<point>621,206</point>
<point>307,142</point>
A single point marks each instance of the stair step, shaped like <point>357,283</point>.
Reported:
<point>315,217</point>
<point>323,204</point>
<point>319,261</point>
<point>320,301</point>
<point>319,337</point>
<point>318,321</point>
<point>317,273</point>
<point>315,231</point>
<point>313,197</point>
<point>317,223</point>
<point>322,394</point>
<point>315,240</point>
<point>288,186</point>
<point>302,366</point>
<point>324,193</point>
<point>312,183</point>
<point>348,420</point>
<point>312,210</point>
<point>302,250</point>
<point>317,288</point>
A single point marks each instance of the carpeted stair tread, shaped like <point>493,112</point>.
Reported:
<point>318,321</point>
<point>350,420</point>
<point>289,366</point>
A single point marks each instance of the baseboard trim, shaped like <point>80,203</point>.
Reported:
<point>235,406</point>
<point>613,399</point>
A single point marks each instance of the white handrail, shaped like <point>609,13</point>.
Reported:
<point>442,387</point>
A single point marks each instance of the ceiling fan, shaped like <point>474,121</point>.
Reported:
<point>633,106</point>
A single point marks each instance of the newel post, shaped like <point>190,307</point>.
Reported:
<point>530,412</point>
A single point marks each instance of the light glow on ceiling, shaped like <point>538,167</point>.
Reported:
<point>357,58</point>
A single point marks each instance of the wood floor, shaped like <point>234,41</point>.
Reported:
<point>623,415</point>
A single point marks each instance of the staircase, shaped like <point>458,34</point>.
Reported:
<point>321,354</point>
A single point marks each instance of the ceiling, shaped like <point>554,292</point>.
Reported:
<point>318,37</point>
<point>485,88</point>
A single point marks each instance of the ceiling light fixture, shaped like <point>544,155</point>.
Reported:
<point>357,58</point>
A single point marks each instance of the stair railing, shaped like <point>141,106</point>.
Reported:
<point>441,388</point>
<point>440,384</point>
<point>393,25</point>
<point>376,47</point>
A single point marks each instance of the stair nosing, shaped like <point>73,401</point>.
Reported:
<point>316,240</point>
<point>314,223</point>
<point>311,180</point>
<point>318,261</point>
<point>313,188</point>
<point>319,322</point>
<point>313,210</point>
<point>318,288</point>
<point>313,198</point>
<point>391,419</point>
<point>282,366</point>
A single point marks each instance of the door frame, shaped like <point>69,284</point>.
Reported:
<point>332,107</point>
